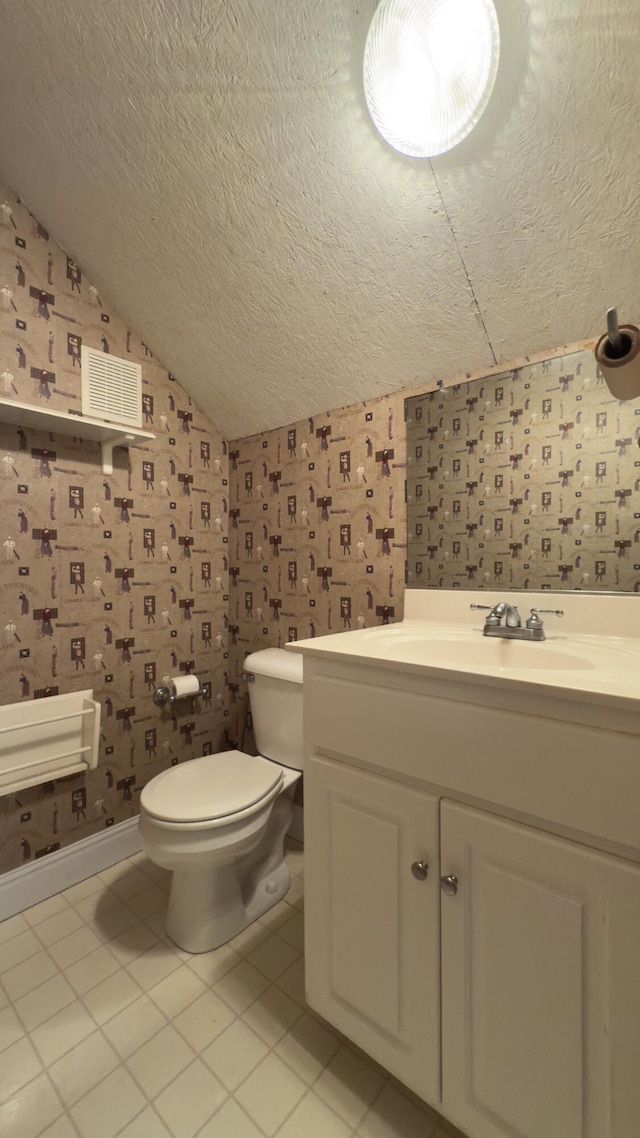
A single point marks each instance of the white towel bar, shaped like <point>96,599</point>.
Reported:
<point>54,719</point>
<point>52,759</point>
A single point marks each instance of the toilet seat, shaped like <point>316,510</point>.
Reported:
<point>212,790</point>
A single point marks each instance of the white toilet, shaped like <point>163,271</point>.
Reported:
<point>219,822</point>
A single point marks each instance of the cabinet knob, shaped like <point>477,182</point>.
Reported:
<point>420,870</point>
<point>449,884</point>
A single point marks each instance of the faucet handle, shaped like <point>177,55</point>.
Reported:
<point>492,619</point>
<point>534,619</point>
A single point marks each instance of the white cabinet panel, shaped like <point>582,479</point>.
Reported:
<point>540,989</point>
<point>372,929</point>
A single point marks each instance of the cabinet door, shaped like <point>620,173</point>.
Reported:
<point>371,926</point>
<point>540,984</point>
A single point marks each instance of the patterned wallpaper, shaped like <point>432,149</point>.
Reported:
<point>526,479</point>
<point>192,556</point>
<point>106,582</point>
<point>317,529</point>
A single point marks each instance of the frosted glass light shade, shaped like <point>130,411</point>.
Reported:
<point>429,69</point>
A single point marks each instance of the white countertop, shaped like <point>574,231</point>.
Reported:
<point>592,651</point>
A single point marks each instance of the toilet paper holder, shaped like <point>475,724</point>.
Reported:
<point>617,354</point>
<point>163,695</point>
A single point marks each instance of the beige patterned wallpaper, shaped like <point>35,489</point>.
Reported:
<point>289,534</point>
<point>317,530</point>
<point>526,479</point>
<point>106,582</point>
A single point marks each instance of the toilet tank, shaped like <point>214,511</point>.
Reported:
<point>275,694</point>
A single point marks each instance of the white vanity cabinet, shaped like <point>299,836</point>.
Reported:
<point>372,917</point>
<point>477,951</point>
<point>540,983</point>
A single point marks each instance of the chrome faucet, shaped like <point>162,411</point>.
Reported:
<point>512,628</point>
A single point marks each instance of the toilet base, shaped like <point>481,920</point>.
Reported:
<point>206,909</point>
<point>208,906</point>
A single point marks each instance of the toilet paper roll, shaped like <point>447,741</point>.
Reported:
<point>622,374</point>
<point>184,685</point>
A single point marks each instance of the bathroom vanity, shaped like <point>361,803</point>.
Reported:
<point>472,853</point>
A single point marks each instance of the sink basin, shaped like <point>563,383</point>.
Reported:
<point>469,650</point>
<point>489,652</point>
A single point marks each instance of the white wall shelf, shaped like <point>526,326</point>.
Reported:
<point>46,739</point>
<point>108,435</point>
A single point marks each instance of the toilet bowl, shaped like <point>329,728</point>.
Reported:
<point>219,822</point>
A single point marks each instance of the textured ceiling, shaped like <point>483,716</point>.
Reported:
<point>210,165</point>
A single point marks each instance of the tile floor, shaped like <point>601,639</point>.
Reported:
<point>106,1028</point>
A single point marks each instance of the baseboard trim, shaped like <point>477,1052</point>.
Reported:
<point>29,884</point>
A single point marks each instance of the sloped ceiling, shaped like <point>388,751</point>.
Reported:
<point>210,165</point>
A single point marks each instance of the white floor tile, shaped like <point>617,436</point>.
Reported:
<point>104,1111</point>
<point>63,1128</point>
<point>62,1032</point>
<point>91,970</point>
<point>278,915</point>
<point>83,889</point>
<point>314,1119</point>
<point>12,926</point>
<point>19,1065</point>
<point>18,948</point>
<point>235,1054</point>
<point>177,991</point>
<point>241,986</point>
<point>32,972</point>
<point>393,1115</point>
<point>129,883</point>
<point>156,922</point>
<point>270,1093</point>
<point>293,931</point>
<point>44,1001</point>
<point>204,1019</point>
<point>271,1015</point>
<point>190,1100</point>
<point>131,943</point>
<point>58,926</point>
<point>166,1033</point>
<point>349,1085</point>
<point>231,1122</point>
<point>146,1125</point>
<point>273,957</point>
<point>45,909</point>
<point>153,871</point>
<point>153,965</point>
<point>31,1110</point>
<point>115,871</point>
<point>250,938</point>
<point>157,1062</point>
<point>292,982</point>
<point>308,1047</point>
<point>95,906</point>
<point>212,966</point>
<point>74,946</point>
<point>82,1068</point>
<point>151,900</point>
<point>10,1028</point>
<point>107,925</point>
<point>132,1027</point>
<point>111,996</point>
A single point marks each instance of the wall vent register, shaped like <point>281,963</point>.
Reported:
<point>111,388</point>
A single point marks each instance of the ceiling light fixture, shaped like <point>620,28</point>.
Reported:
<point>429,69</point>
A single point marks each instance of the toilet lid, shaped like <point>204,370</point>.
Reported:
<point>211,787</point>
